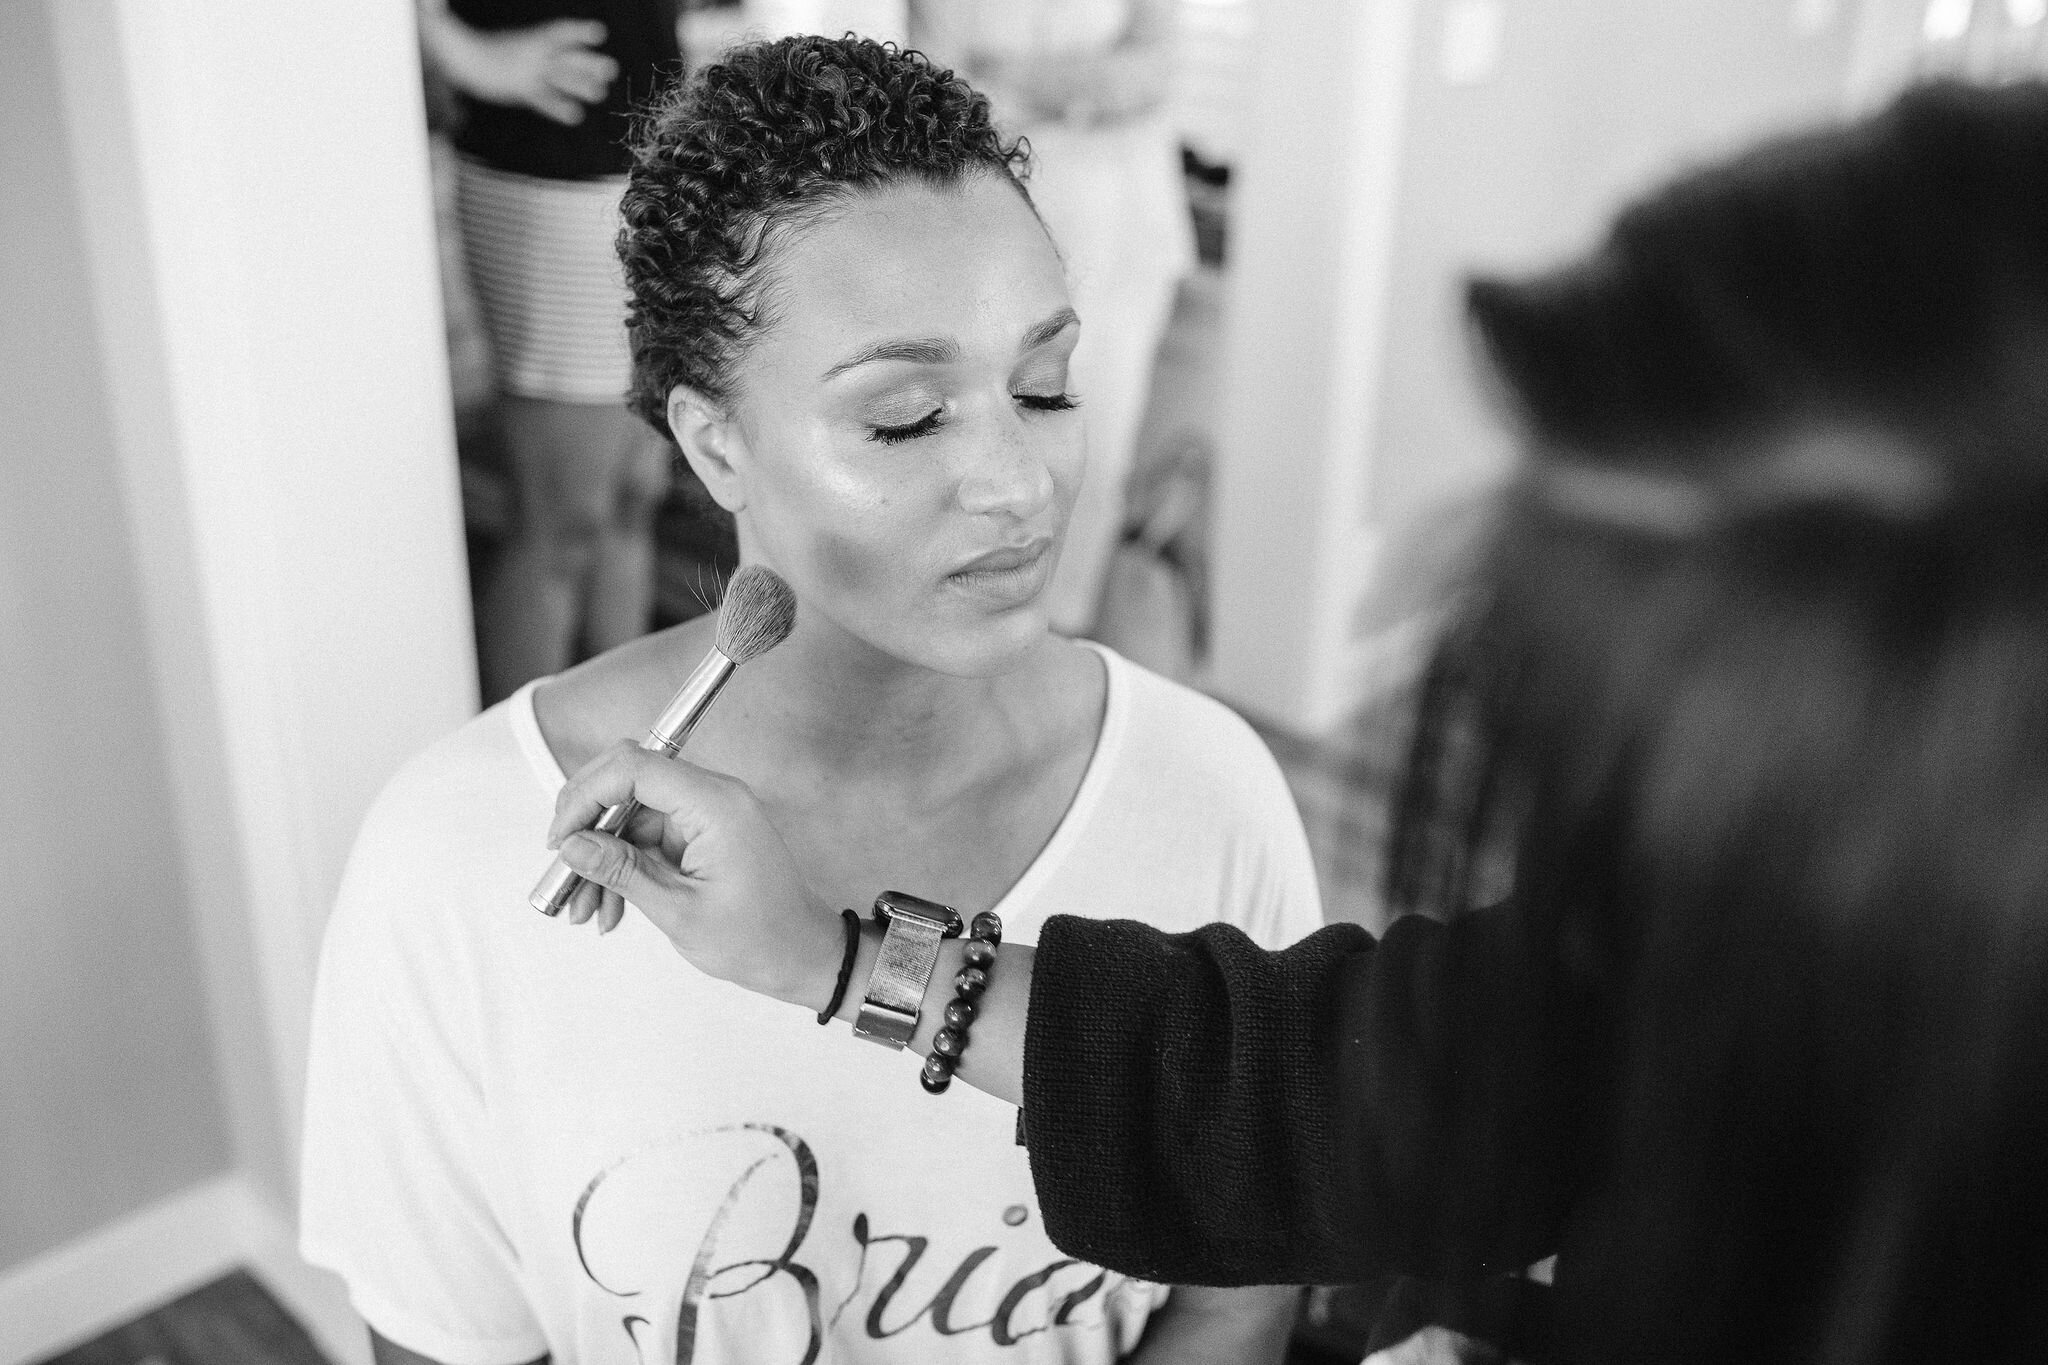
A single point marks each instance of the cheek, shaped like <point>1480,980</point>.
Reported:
<point>863,541</point>
<point>855,522</point>
<point>1067,462</point>
<point>820,505</point>
<point>849,564</point>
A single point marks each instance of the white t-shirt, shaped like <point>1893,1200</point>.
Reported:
<point>523,1138</point>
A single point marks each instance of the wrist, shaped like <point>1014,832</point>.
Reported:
<point>867,953</point>
<point>810,973</point>
<point>938,990</point>
<point>450,45</point>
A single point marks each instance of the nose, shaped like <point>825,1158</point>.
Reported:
<point>1008,475</point>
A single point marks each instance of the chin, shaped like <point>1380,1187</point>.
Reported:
<point>986,648</point>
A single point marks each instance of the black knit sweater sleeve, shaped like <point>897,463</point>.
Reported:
<point>1203,1111</point>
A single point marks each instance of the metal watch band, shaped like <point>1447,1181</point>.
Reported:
<point>911,931</point>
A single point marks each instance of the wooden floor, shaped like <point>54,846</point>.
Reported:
<point>233,1321</point>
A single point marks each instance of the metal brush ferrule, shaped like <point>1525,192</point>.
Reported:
<point>670,731</point>
<point>672,727</point>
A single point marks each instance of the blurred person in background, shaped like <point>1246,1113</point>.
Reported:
<point>546,89</point>
<point>1747,700</point>
<point>521,1143</point>
<point>885,21</point>
<point>1085,82</point>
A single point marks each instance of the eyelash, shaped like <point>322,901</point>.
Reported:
<point>927,424</point>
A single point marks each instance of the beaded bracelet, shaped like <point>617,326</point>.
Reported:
<point>845,965</point>
<point>984,935</point>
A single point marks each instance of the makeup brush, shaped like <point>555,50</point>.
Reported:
<point>757,614</point>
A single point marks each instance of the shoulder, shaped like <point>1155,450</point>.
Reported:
<point>475,759</point>
<point>1186,757</point>
<point>1172,727</point>
<point>441,832</point>
<point>582,711</point>
<point>1189,778</point>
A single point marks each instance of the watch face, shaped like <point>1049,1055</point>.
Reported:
<point>902,905</point>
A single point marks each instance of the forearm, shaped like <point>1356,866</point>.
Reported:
<point>1181,1104</point>
<point>1204,1326</point>
<point>1204,1111</point>
<point>1179,1113</point>
<point>448,45</point>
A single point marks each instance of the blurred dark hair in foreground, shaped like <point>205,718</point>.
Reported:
<point>1751,701</point>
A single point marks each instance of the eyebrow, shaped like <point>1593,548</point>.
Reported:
<point>942,351</point>
<point>1050,328</point>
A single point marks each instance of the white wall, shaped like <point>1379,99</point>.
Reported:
<point>1310,254</point>
<point>234,313</point>
<point>109,1095</point>
<point>260,228</point>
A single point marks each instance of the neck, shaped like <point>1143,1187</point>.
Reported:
<point>826,700</point>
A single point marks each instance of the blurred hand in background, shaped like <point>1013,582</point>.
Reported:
<point>553,68</point>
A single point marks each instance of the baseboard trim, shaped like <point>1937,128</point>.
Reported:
<point>70,1295</point>
<point>317,1298</point>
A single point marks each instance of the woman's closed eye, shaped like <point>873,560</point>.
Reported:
<point>909,431</point>
<point>933,420</point>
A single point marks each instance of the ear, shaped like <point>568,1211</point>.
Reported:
<point>713,444</point>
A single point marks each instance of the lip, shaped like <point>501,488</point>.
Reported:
<point>1006,557</point>
<point>1009,575</point>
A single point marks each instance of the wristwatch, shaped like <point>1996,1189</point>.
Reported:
<point>911,930</point>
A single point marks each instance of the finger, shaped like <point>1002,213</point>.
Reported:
<point>586,75</point>
<point>611,912</point>
<point>594,902</point>
<point>582,88</point>
<point>583,902</point>
<point>560,108</point>
<point>688,797</point>
<point>580,801</point>
<point>575,32</point>
<point>635,874</point>
<point>645,827</point>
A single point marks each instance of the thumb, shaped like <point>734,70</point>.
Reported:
<point>616,865</point>
<point>559,108</point>
<point>577,32</point>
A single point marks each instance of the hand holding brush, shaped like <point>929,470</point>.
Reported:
<point>757,614</point>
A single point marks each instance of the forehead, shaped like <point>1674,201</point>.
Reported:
<point>968,261</point>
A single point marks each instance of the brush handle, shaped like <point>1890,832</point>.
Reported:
<point>552,893</point>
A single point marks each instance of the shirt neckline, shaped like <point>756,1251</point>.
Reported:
<point>1095,778</point>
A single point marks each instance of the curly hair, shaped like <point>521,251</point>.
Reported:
<point>762,143</point>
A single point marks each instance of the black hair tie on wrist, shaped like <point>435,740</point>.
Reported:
<point>984,935</point>
<point>845,966</point>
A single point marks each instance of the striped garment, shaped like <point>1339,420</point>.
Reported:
<point>547,281</point>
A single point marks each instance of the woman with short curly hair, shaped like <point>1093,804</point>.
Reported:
<point>526,1141</point>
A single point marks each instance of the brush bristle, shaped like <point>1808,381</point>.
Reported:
<point>757,614</point>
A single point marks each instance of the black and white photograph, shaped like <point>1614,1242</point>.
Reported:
<point>1024,682</point>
